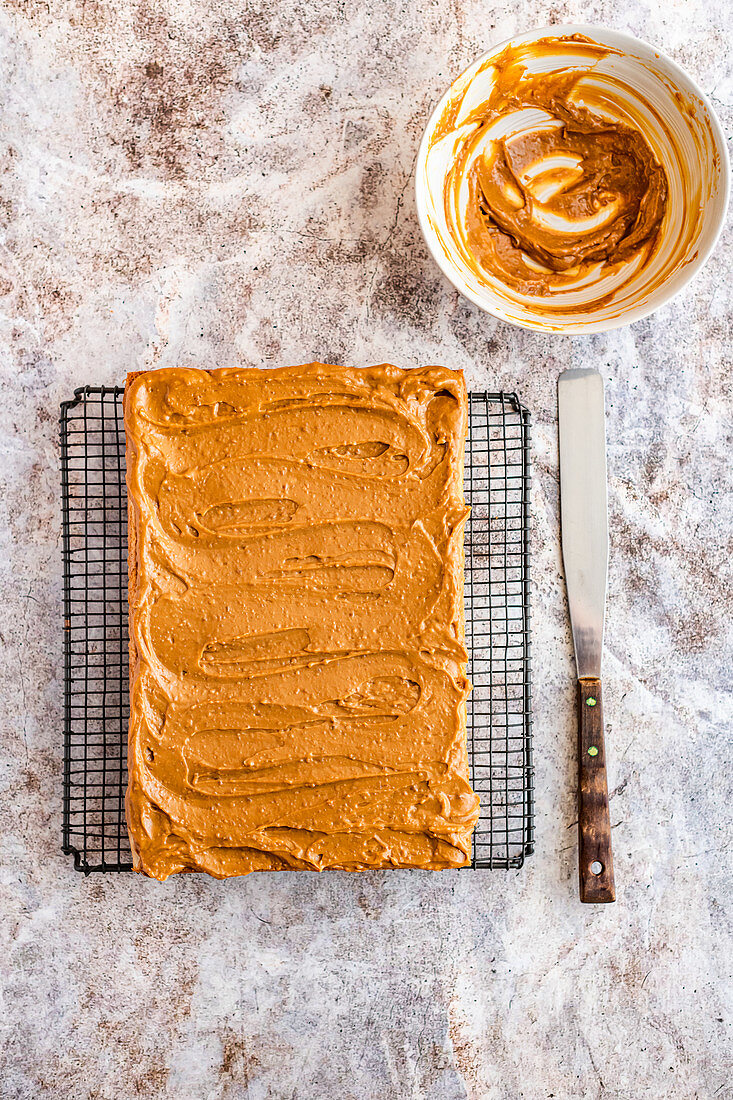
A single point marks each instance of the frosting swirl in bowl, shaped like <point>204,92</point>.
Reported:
<point>563,182</point>
<point>554,203</point>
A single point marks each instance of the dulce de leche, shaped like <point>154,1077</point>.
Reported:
<point>297,652</point>
<point>549,189</point>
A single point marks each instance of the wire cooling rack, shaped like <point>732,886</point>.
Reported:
<point>94,520</point>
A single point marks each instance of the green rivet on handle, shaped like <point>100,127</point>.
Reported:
<point>593,751</point>
<point>590,701</point>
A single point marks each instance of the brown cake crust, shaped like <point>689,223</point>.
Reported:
<point>297,660</point>
<point>132,569</point>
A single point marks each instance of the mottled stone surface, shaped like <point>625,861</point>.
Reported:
<point>211,183</point>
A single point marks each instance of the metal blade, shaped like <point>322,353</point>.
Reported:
<point>584,510</point>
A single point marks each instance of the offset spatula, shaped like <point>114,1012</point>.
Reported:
<point>584,517</point>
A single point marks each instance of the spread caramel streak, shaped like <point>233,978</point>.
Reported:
<point>296,623</point>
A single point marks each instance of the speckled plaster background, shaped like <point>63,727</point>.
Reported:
<point>216,182</point>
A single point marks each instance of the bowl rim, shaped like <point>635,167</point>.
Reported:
<point>635,313</point>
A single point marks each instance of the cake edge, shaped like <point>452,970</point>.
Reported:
<point>132,585</point>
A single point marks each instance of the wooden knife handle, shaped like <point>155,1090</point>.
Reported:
<point>594,823</point>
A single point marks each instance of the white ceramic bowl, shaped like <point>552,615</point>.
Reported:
<point>696,163</point>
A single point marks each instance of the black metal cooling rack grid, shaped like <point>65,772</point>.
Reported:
<point>94,518</point>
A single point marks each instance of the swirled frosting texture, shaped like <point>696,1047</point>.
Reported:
<point>296,623</point>
<point>567,180</point>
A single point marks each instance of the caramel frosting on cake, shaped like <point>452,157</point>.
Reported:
<point>297,654</point>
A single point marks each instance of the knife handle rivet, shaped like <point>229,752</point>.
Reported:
<point>593,751</point>
<point>590,701</point>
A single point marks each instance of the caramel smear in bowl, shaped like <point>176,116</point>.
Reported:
<point>567,178</point>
